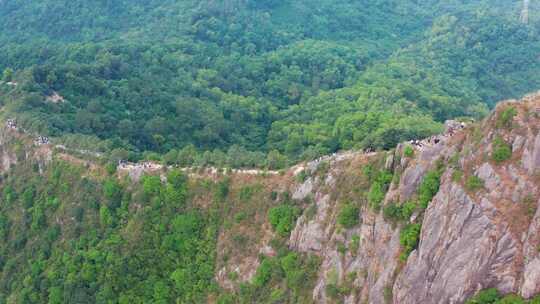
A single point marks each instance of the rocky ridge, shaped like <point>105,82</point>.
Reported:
<point>470,239</point>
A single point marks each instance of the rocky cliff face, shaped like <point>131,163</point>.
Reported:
<point>481,230</point>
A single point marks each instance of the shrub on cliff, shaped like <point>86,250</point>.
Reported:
<point>493,296</point>
<point>378,189</point>
<point>474,183</point>
<point>429,187</point>
<point>408,151</point>
<point>501,151</point>
<point>485,296</point>
<point>399,212</point>
<point>348,216</point>
<point>282,218</point>
<point>505,117</point>
<point>408,238</point>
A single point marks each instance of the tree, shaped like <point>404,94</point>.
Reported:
<point>276,160</point>
<point>348,215</point>
<point>408,238</point>
<point>55,295</point>
<point>171,157</point>
<point>186,156</point>
<point>7,75</point>
<point>282,218</point>
<point>151,185</point>
<point>113,192</point>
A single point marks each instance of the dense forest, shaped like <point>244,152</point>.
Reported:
<point>78,240</point>
<point>240,78</point>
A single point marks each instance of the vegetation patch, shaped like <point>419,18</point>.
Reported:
<point>474,183</point>
<point>409,238</point>
<point>283,218</point>
<point>378,189</point>
<point>286,278</point>
<point>402,212</point>
<point>86,225</point>
<point>349,215</point>
<point>408,151</point>
<point>506,116</point>
<point>492,296</point>
<point>429,186</point>
<point>336,291</point>
<point>410,233</point>
<point>301,176</point>
<point>354,244</point>
<point>501,150</point>
<point>457,175</point>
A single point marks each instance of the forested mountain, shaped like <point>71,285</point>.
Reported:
<point>300,77</point>
<point>254,151</point>
<point>426,223</point>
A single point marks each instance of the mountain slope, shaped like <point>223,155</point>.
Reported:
<point>435,221</point>
<point>148,77</point>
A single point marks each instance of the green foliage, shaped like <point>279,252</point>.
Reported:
<point>501,150</point>
<point>401,212</point>
<point>222,189</point>
<point>341,248</point>
<point>240,216</point>
<point>474,183</point>
<point>408,151</point>
<point>354,245</point>
<point>492,296</point>
<point>10,195</point>
<point>349,215</point>
<point>113,192</point>
<point>294,274</point>
<point>176,188</point>
<point>504,120</point>
<point>246,193</point>
<point>283,218</point>
<point>151,185</point>
<point>457,175</point>
<point>28,197</point>
<point>247,83</point>
<point>275,160</point>
<point>322,168</point>
<point>264,273</point>
<point>105,216</point>
<point>301,176</point>
<point>429,187</point>
<point>378,189</point>
<point>88,252</point>
<point>7,75</point>
<point>288,277</point>
<point>409,238</point>
<point>512,299</point>
<point>225,84</point>
<point>332,291</point>
<point>485,296</point>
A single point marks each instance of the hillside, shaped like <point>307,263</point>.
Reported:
<point>269,151</point>
<point>140,79</point>
<point>434,221</point>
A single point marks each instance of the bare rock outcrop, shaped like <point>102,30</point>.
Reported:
<point>460,247</point>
